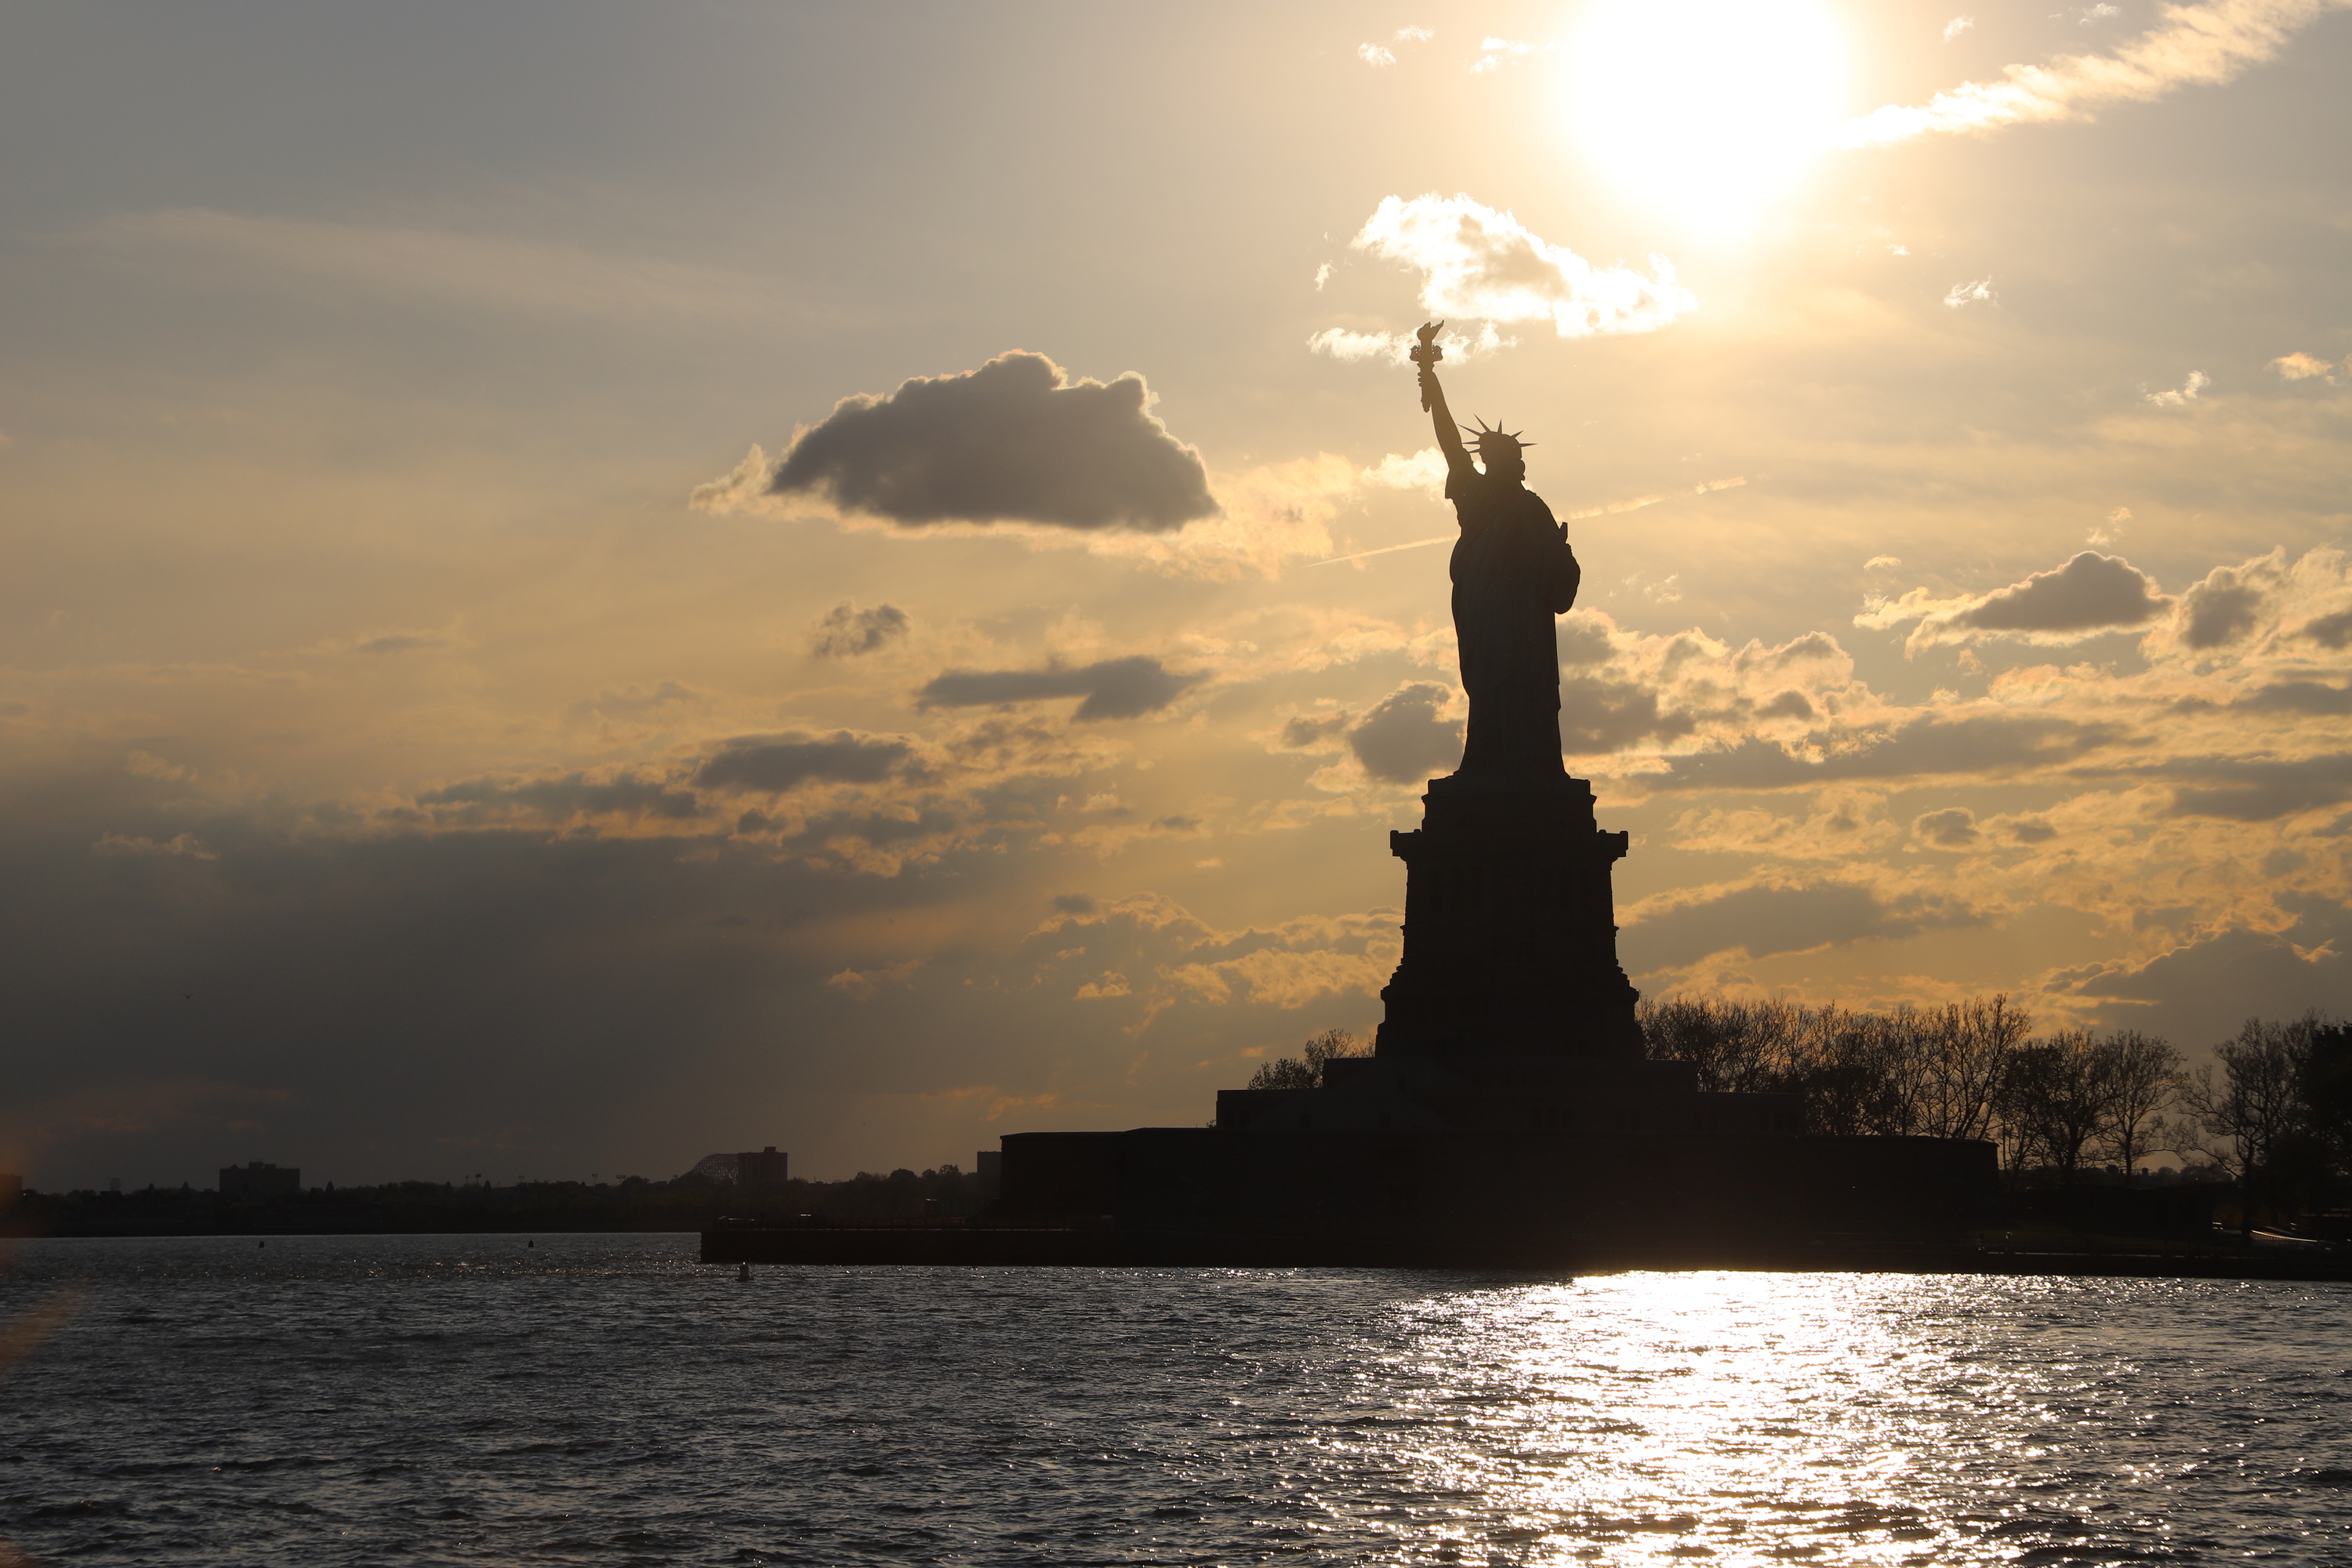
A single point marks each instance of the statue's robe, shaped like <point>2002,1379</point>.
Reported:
<point>1513,571</point>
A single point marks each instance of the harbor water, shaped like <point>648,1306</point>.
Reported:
<point>603,1399</point>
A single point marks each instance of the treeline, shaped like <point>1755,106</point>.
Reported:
<point>2273,1110</point>
<point>1304,1070</point>
<point>633,1203</point>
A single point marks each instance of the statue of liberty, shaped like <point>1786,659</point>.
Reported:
<point>1513,571</point>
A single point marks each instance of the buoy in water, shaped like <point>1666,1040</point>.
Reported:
<point>743,1272</point>
<point>530,1244</point>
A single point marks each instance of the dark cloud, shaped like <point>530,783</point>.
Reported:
<point>1113,689</point>
<point>2032,830</point>
<point>1954,827</point>
<point>1598,714</point>
<point>2310,697</point>
<point>2198,994</point>
<point>2090,592</point>
<point>1177,824</point>
<point>776,763</point>
<point>1403,740</point>
<point>628,701</point>
<point>401,642</point>
<point>1582,641</point>
<point>1305,731</point>
<point>2330,631</point>
<point>1768,920</point>
<point>562,799</point>
<point>2219,610</point>
<point>2260,791</point>
<point>1984,743</point>
<point>1788,704</point>
<point>1811,649</point>
<point>1013,441</point>
<point>1073,903</point>
<point>847,631</point>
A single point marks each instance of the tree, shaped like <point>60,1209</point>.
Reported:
<point>1305,1069</point>
<point>2327,1094</point>
<point>2053,1100</point>
<point>2144,1080</point>
<point>1962,1055</point>
<point>2255,1109</point>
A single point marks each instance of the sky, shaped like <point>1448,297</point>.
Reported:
<point>586,585</point>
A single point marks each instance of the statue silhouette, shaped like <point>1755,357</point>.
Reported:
<point>1513,571</point>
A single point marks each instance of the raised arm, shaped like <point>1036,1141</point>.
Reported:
<point>1433,397</point>
<point>1449,433</point>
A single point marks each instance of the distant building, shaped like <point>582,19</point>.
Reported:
<point>990,1167</point>
<point>11,1189</point>
<point>765,1169</point>
<point>260,1180</point>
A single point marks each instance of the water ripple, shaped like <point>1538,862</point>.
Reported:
<point>602,1400</point>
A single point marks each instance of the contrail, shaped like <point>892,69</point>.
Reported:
<point>1614,506</point>
<point>2193,46</point>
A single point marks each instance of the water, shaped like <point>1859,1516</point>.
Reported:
<point>603,1400</point>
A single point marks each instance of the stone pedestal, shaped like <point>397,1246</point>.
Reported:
<point>1510,934</point>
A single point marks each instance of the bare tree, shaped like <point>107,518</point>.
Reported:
<point>1861,1074</point>
<point>1963,1053</point>
<point>1305,1069</point>
<point>1738,1047</point>
<point>2256,1107</point>
<point>2143,1075</point>
<point>2053,1100</point>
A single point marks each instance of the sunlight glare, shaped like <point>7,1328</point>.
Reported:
<point>1707,109</point>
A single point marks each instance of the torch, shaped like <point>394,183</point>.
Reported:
<point>1427,354</point>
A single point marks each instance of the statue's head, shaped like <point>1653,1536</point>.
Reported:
<point>1500,452</point>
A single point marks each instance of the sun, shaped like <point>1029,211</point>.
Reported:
<point>1707,109</point>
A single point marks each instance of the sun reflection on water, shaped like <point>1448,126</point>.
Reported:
<point>1855,1419</point>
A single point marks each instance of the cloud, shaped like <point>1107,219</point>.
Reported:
<point>1404,740</point>
<point>2193,46</point>
<point>1485,265</point>
<point>2301,366</point>
<point>1883,563</point>
<point>1496,53</point>
<point>2330,631</point>
<point>847,631</point>
<point>1978,292</point>
<point>560,799</point>
<point>1957,26</point>
<point>1598,714</point>
<point>773,763</point>
<point>2221,608</point>
<point>1379,54</point>
<point>1312,732</point>
<point>2090,595</point>
<point>1929,745</point>
<point>1954,827</point>
<point>633,701</point>
<point>1112,688</point>
<point>2199,993</point>
<point>179,846</point>
<point>2242,790</point>
<point>1764,921</point>
<point>2184,395</point>
<point>1013,441</point>
<point>1352,347</point>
